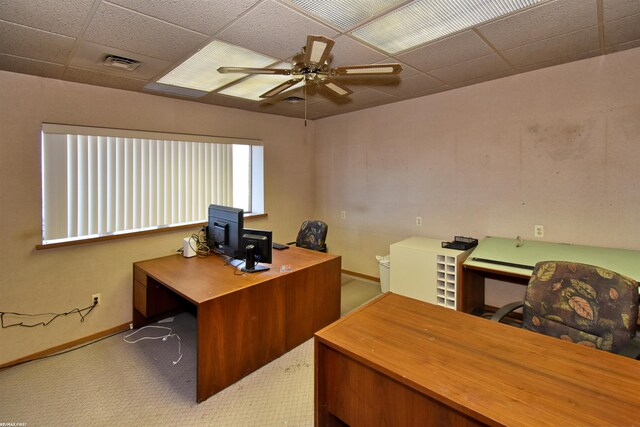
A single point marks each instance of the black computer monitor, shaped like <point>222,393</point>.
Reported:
<point>224,230</point>
<point>257,249</point>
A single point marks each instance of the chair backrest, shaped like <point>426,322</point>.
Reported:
<point>313,235</point>
<point>581,303</point>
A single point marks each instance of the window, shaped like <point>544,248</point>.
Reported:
<point>98,182</point>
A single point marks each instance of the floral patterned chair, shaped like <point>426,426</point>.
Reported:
<point>312,235</point>
<point>583,304</point>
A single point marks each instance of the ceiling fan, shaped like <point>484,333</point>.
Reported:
<point>312,66</point>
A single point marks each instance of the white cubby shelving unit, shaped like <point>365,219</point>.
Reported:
<point>422,269</point>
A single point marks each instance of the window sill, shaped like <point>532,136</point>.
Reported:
<point>42,246</point>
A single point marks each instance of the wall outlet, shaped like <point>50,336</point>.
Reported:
<point>96,298</point>
<point>538,231</point>
<point>419,221</point>
<point>343,214</point>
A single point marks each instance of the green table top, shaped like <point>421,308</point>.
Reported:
<point>505,255</point>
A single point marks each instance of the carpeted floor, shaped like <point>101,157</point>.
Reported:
<point>115,383</point>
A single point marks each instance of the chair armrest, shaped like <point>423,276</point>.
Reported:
<point>503,311</point>
<point>631,349</point>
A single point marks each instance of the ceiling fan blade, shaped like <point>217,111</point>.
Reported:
<point>336,88</point>
<point>280,88</point>
<point>359,70</point>
<point>317,50</point>
<point>247,70</point>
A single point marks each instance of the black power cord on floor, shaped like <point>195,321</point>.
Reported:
<point>80,311</point>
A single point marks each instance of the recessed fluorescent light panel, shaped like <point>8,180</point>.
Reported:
<point>200,71</point>
<point>345,14</point>
<point>258,84</point>
<point>423,21</point>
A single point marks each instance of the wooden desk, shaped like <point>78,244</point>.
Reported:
<point>244,320</point>
<point>399,361</point>
<point>501,259</point>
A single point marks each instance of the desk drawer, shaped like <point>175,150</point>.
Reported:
<point>140,297</point>
<point>139,275</point>
<point>150,298</point>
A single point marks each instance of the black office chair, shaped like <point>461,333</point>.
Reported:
<point>583,304</point>
<point>312,235</point>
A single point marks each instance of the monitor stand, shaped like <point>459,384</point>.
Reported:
<point>250,265</point>
<point>255,269</point>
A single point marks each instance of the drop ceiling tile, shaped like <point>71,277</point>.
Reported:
<point>206,17</point>
<point>227,101</point>
<point>412,87</point>
<point>30,66</point>
<point>479,68</point>
<point>365,99</point>
<point>482,79</point>
<point>616,9</point>
<point>622,31</point>
<point>541,22</point>
<point>623,46</point>
<point>452,50</point>
<point>101,79</point>
<point>60,17</point>
<point>133,32</point>
<point>291,110</point>
<point>26,42</point>
<point>565,46</point>
<point>273,29</point>
<point>91,56</point>
<point>283,108</point>
<point>558,61</point>
<point>319,114</point>
<point>347,51</point>
<point>369,97</point>
<point>328,108</point>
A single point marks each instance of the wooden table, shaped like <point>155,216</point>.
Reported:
<point>244,320</point>
<point>400,361</point>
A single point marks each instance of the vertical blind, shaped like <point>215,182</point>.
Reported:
<point>98,184</point>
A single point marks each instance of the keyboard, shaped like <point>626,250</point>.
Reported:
<point>279,246</point>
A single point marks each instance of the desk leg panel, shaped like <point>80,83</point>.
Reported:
<point>312,301</point>
<point>348,392</point>
<point>237,334</point>
<point>471,295</point>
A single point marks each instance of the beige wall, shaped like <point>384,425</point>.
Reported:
<point>58,280</point>
<point>558,147</point>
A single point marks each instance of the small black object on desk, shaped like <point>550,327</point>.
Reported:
<point>461,243</point>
